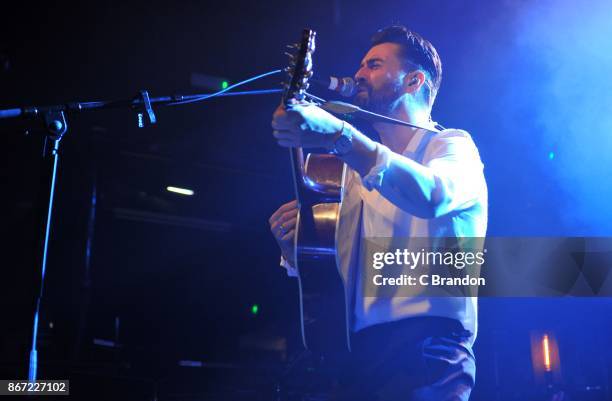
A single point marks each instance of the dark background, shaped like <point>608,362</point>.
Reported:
<point>173,278</point>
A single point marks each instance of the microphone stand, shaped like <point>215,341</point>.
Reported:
<point>55,127</point>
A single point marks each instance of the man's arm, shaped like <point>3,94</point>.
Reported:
<point>450,178</point>
<point>374,161</point>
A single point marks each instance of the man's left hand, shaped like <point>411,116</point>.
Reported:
<point>305,125</point>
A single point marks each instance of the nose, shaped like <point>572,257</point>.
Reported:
<point>360,76</point>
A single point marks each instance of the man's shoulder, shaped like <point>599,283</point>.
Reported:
<point>452,136</point>
<point>453,133</point>
<point>452,141</point>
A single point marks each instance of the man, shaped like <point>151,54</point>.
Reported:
<point>416,183</point>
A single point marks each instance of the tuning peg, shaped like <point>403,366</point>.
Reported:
<point>292,46</point>
<point>291,56</point>
<point>288,69</point>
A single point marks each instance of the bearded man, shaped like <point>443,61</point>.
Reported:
<point>425,183</point>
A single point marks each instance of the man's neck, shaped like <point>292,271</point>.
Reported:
<point>397,137</point>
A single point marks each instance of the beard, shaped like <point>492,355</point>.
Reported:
<point>382,101</point>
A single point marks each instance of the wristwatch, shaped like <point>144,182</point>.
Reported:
<point>343,142</point>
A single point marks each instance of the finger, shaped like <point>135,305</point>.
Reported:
<point>289,224</point>
<point>283,121</point>
<point>288,236</point>
<point>287,206</point>
<point>288,215</point>
<point>280,123</point>
<point>283,134</point>
<point>283,220</point>
<point>282,209</point>
<point>279,233</point>
<point>274,227</point>
<point>290,205</point>
<point>282,227</point>
<point>280,110</point>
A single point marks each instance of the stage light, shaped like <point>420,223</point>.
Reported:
<point>182,191</point>
<point>546,352</point>
<point>255,309</point>
<point>551,155</point>
<point>545,358</point>
<point>209,82</point>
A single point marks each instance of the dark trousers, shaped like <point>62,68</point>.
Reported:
<point>426,358</point>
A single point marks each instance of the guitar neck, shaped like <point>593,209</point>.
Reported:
<point>296,156</point>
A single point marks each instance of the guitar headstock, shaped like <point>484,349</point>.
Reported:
<point>299,70</point>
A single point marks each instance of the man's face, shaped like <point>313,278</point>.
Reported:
<point>380,79</point>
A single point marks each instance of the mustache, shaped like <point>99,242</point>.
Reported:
<point>361,86</point>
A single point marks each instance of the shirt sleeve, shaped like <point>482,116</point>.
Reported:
<point>451,159</point>
<point>458,170</point>
<point>374,178</point>
<point>291,271</point>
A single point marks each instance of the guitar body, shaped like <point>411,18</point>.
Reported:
<point>322,301</point>
<point>317,180</point>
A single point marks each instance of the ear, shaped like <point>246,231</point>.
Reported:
<point>413,81</point>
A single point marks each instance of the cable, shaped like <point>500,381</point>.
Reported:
<point>246,81</point>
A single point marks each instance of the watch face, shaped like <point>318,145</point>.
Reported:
<point>343,145</point>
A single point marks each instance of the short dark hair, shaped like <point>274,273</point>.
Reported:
<point>415,51</point>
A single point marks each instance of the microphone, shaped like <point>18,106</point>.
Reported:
<point>344,86</point>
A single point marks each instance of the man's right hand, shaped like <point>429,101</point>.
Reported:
<point>282,224</point>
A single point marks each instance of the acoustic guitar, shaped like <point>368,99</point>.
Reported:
<point>317,180</point>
